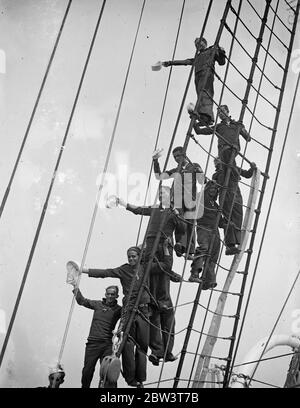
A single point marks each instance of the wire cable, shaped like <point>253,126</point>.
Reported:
<point>267,218</point>
<point>102,178</point>
<point>276,322</point>
<point>7,191</point>
<point>162,113</point>
<point>36,237</point>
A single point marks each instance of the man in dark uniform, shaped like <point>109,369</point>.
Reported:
<point>204,63</point>
<point>233,203</point>
<point>207,230</point>
<point>134,361</point>
<point>173,224</point>
<point>99,343</point>
<point>162,316</point>
<point>227,134</point>
<point>186,176</point>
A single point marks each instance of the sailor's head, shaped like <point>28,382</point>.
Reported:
<point>111,294</point>
<point>178,154</point>
<point>133,255</point>
<point>223,111</point>
<point>200,44</point>
<point>211,189</point>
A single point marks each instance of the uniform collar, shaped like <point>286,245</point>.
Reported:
<point>111,305</point>
<point>228,121</point>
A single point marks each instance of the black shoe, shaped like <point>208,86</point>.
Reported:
<point>195,278</point>
<point>175,277</point>
<point>179,249</point>
<point>232,250</point>
<point>209,285</point>
<point>170,357</point>
<point>139,385</point>
<point>132,384</point>
<point>154,359</point>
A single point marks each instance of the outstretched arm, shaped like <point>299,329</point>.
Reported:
<point>188,61</point>
<point>103,273</point>
<point>200,130</point>
<point>135,209</point>
<point>82,301</point>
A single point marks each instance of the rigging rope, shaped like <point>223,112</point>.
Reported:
<point>155,245</point>
<point>209,155</point>
<point>203,362</point>
<point>275,324</point>
<point>163,220</point>
<point>265,383</point>
<point>162,113</point>
<point>263,359</point>
<point>184,148</point>
<point>281,20</point>
<point>36,237</point>
<point>246,145</point>
<point>101,183</point>
<point>7,191</point>
<point>250,128</point>
<point>269,209</point>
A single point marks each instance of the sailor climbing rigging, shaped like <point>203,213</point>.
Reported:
<point>184,190</point>
<point>204,63</point>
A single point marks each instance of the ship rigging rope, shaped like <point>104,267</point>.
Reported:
<point>264,359</point>
<point>265,383</point>
<point>276,322</point>
<point>246,379</point>
<point>199,291</point>
<point>102,182</point>
<point>6,194</point>
<point>129,320</point>
<point>225,23</point>
<point>245,98</point>
<point>268,216</point>
<point>133,312</point>
<point>162,114</point>
<point>209,155</point>
<point>264,183</point>
<point>169,151</point>
<point>244,153</point>
<point>36,237</point>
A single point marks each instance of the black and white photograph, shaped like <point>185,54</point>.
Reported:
<point>149,196</point>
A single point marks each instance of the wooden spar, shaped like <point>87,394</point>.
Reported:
<point>204,358</point>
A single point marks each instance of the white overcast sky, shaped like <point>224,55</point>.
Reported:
<point>27,33</point>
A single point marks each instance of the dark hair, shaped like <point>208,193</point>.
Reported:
<point>224,106</point>
<point>178,149</point>
<point>114,287</point>
<point>135,249</point>
<point>202,39</point>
